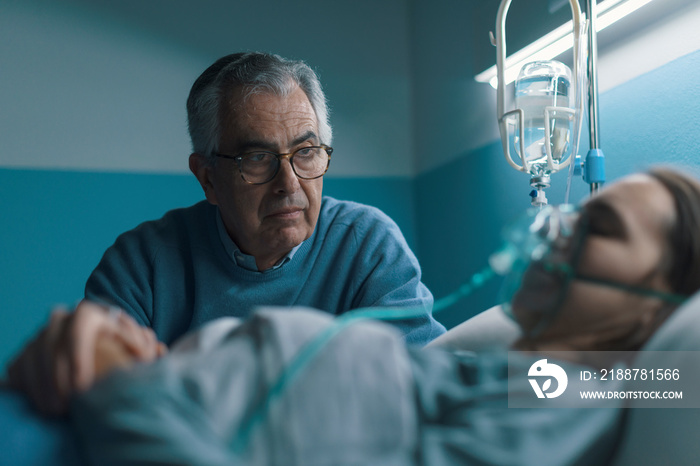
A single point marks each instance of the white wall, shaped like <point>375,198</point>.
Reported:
<point>675,34</point>
<point>82,94</point>
<point>101,85</point>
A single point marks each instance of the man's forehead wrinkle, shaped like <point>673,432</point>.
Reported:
<point>257,118</point>
<point>295,110</point>
<point>247,92</point>
<point>253,131</point>
<point>296,122</point>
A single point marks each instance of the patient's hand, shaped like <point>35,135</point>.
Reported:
<point>76,348</point>
<point>111,354</point>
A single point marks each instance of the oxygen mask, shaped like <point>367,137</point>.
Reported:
<point>538,261</point>
<point>541,258</point>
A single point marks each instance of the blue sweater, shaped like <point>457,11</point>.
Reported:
<point>174,274</point>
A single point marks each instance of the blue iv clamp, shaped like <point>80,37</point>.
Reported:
<point>593,168</point>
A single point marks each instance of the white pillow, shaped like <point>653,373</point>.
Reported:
<point>489,329</point>
<point>668,435</point>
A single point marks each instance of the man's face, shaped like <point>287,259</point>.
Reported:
<point>268,220</point>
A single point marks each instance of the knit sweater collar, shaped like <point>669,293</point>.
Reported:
<point>242,259</point>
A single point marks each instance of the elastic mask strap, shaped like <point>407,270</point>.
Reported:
<point>571,273</point>
<point>661,295</point>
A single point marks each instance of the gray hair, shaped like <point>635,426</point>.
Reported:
<point>253,73</point>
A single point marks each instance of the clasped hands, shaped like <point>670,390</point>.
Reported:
<point>77,348</point>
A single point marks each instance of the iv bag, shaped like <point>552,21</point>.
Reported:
<point>543,92</point>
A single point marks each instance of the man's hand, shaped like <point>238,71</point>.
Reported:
<point>61,359</point>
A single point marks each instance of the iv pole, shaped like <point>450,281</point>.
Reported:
<point>594,167</point>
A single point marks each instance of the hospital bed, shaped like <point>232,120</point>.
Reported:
<point>650,436</point>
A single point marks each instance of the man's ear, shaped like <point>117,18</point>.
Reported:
<point>204,171</point>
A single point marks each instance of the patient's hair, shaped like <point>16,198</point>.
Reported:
<point>683,266</point>
<point>251,73</point>
<point>680,266</point>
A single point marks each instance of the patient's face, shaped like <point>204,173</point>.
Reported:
<point>626,242</point>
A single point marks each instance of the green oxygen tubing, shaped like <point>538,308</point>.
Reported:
<point>308,352</point>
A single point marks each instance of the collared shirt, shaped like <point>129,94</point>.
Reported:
<point>240,258</point>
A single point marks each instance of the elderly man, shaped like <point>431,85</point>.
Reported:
<point>261,145</point>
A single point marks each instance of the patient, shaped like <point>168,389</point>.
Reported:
<point>638,256</point>
<point>631,257</point>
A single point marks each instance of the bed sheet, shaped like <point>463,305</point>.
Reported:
<point>29,439</point>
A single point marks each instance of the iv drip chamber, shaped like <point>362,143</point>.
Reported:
<point>544,94</point>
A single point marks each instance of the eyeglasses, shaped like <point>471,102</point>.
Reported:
<point>260,167</point>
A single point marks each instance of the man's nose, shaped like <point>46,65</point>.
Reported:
<point>286,181</point>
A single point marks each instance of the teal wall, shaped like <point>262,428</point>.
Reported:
<point>57,224</point>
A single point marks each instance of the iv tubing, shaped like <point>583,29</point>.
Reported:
<point>593,125</point>
<point>593,76</point>
<point>581,97</point>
